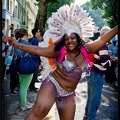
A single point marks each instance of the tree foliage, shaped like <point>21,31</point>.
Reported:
<point>109,10</point>
<point>95,14</point>
<point>52,7</point>
<point>45,9</point>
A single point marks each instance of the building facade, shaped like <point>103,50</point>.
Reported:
<point>31,15</point>
<point>19,14</point>
<point>6,13</point>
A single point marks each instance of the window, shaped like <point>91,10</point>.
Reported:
<point>12,28</point>
<point>7,5</point>
<point>15,12</point>
<point>17,26</point>
<point>11,6</point>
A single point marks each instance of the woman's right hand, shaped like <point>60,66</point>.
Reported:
<point>12,41</point>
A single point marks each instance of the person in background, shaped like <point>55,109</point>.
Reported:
<point>4,42</point>
<point>96,79</point>
<point>114,48</point>
<point>108,44</point>
<point>24,79</point>
<point>37,37</point>
<point>113,53</point>
<point>14,77</point>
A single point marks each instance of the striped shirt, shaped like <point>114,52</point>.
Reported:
<point>101,61</point>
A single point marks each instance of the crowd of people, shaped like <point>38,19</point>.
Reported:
<point>69,53</point>
<point>20,83</point>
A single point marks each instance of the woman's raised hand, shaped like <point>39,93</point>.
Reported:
<point>12,41</point>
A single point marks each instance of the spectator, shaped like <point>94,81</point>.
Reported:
<point>37,37</point>
<point>4,41</point>
<point>114,58</point>
<point>24,79</point>
<point>95,81</point>
<point>114,48</point>
<point>108,44</point>
<point>14,77</point>
<point>113,52</point>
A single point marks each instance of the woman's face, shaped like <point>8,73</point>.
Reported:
<point>71,42</point>
<point>25,36</point>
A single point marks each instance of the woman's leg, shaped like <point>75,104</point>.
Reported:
<point>44,102</point>
<point>12,81</point>
<point>24,84</point>
<point>67,111</point>
<point>3,68</point>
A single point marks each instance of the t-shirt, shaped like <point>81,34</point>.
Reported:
<point>35,41</point>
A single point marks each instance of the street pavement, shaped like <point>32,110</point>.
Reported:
<point>108,109</point>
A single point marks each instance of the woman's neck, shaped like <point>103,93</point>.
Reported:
<point>73,51</point>
<point>23,38</point>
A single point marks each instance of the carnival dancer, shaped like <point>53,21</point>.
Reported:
<point>68,51</point>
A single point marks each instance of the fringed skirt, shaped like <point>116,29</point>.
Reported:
<point>61,94</point>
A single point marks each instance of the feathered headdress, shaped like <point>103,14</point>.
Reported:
<point>67,20</point>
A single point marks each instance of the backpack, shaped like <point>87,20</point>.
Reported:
<point>25,64</point>
<point>36,57</point>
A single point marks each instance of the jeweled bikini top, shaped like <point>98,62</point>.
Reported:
<point>72,68</point>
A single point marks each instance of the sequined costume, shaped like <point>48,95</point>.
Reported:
<point>68,67</point>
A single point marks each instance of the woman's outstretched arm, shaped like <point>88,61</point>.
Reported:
<point>97,44</point>
<point>45,51</point>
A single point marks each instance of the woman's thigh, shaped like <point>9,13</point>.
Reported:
<point>67,112</point>
<point>45,100</point>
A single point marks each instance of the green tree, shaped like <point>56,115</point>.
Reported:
<point>95,14</point>
<point>109,10</point>
<point>45,9</point>
<point>52,7</point>
<point>42,13</point>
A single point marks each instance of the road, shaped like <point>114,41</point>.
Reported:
<point>108,109</point>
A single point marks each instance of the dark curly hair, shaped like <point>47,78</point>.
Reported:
<point>61,43</point>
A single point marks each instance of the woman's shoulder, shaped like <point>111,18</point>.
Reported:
<point>23,41</point>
